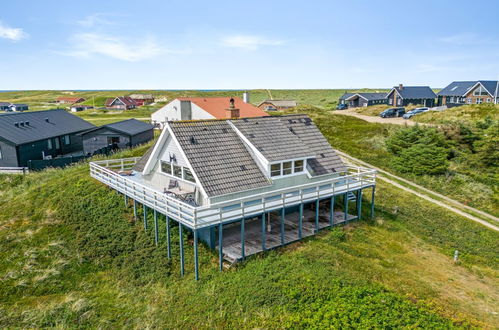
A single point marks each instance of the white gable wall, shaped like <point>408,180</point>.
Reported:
<point>171,112</point>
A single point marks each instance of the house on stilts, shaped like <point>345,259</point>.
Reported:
<point>241,185</point>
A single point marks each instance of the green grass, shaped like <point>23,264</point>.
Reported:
<point>466,113</point>
<point>72,256</point>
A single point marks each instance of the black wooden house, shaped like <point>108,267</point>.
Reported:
<point>39,135</point>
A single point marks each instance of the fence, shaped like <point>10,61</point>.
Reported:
<point>205,216</point>
<point>14,170</point>
<point>36,165</point>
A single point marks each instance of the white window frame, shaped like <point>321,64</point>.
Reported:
<point>182,173</point>
<point>1,152</point>
<point>67,140</point>
<point>469,100</point>
<point>479,100</point>
<point>293,168</point>
<point>489,100</point>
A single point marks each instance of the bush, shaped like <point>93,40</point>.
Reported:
<point>419,150</point>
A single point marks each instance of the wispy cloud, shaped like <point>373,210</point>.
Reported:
<point>86,45</point>
<point>10,33</point>
<point>249,42</point>
<point>96,19</point>
<point>458,39</point>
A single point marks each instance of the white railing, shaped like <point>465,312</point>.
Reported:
<point>205,216</point>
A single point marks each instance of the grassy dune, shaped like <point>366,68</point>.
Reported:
<point>71,256</point>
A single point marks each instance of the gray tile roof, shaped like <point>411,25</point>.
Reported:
<point>461,88</point>
<point>272,138</point>
<point>141,163</point>
<point>224,165</point>
<point>326,160</point>
<point>416,92</point>
<point>218,157</point>
<point>59,123</point>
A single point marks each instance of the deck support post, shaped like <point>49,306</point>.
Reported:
<point>331,212</point>
<point>345,200</point>
<point>156,234</point>
<point>181,236</point>
<point>196,262</point>
<point>317,216</point>
<point>134,209</point>
<point>283,214</point>
<point>243,252</point>
<point>168,241</point>
<point>263,231</point>
<point>372,203</point>
<point>300,222</point>
<point>126,201</point>
<point>220,246</point>
<point>144,207</point>
<point>359,203</point>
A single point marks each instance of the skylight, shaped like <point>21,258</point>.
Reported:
<point>454,88</point>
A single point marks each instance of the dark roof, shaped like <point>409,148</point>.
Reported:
<point>326,160</point>
<point>280,103</point>
<point>128,101</point>
<point>19,105</point>
<point>5,103</point>
<point>415,92</point>
<point>371,96</point>
<point>218,156</point>
<point>272,138</point>
<point>461,88</point>
<point>346,96</point>
<point>129,127</point>
<point>59,123</point>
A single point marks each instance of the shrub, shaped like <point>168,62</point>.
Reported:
<point>419,150</point>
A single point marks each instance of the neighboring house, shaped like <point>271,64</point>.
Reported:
<point>365,99</point>
<point>121,102</point>
<point>241,185</point>
<point>404,95</point>
<point>39,135</point>
<point>193,108</point>
<point>343,98</point>
<point>274,105</point>
<point>142,99</point>
<point>469,92</point>
<point>18,107</point>
<point>69,100</point>
<point>78,108</point>
<point>123,134</point>
<point>5,106</point>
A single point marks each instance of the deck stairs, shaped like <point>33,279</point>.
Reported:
<point>351,196</point>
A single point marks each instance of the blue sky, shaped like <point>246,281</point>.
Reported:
<point>116,44</point>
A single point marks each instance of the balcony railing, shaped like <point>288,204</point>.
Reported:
<point>204,216</point>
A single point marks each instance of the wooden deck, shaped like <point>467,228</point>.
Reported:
<point>253,232</point>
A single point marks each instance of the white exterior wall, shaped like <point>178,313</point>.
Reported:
<point>171,112</point>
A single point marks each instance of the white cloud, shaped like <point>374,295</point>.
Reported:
<point>95,19</point>
<point>14,34</point>
<point>249,42</point>
<point>91,44</point>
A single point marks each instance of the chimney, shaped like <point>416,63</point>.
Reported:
<point>246,97</point>
<point>232,111</point>
<point>401,87</point>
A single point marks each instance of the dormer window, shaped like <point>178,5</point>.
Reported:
<point>287,168</point>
